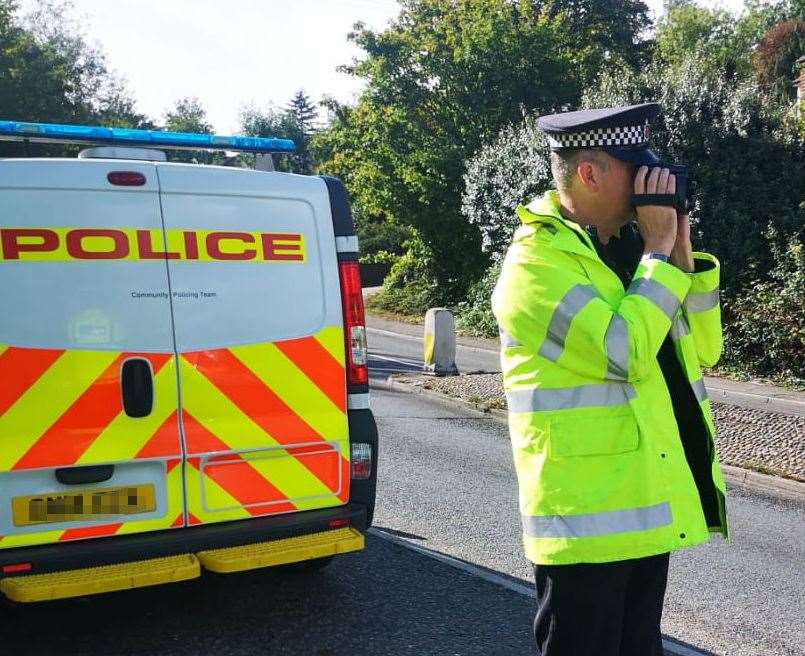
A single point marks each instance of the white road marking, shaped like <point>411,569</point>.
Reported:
<point>414,338</point>
<point>389,333</point>
<point>387,359</point>
<point>671,647</point>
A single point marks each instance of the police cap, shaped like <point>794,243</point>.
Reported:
<point>623,132</point>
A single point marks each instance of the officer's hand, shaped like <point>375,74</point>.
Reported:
<point>658,223</point>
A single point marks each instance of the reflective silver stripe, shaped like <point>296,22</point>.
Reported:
<point>346,244</point>
<point>702,301</point>
<point>358,401</point>
<point>583,396</point>
<point>679,328</point>
<point>570,305</point>
<point>617,340</point>
<point>506,340</point>
<point>699,390</point>
<point>657,293</point>
<point>603,523</point>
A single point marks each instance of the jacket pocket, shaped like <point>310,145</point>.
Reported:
<point>593,434</point>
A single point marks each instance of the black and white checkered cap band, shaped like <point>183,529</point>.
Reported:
<point>622,135</point>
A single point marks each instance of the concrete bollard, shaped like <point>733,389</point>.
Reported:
<point>440,343</point>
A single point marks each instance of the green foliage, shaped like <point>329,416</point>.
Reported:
<point>748,162</point>
<point>765,323</point>
<point>474,315</point>
<point>304,112</point>
<point>379,257</point>
<point>508,171</point>
<point>687,27</point>
<point>715,35</point>
<point>283,124</point>
<point>380,236</point>
<point>411,287</point>
<point>776,55</point>
<point>597,34</point>
<point>49,73</point>
<point>443,78</point>
<point>188,115</point>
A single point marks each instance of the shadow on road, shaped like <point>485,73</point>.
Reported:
<point>381,365</point>
<point>385,600</point>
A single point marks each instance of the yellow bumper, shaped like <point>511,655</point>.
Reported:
<point>282,552</point>
<point>143,573</point>
<point>95,580</point>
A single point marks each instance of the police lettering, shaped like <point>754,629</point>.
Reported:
<point>60,244</point>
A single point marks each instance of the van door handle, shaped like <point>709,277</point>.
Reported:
<point>84,475</point>
<point>137,387</point>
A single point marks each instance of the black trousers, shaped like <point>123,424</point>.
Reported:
<point>600,609</point>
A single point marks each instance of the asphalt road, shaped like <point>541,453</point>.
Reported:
<point>447,482</point>
<point>385,600</point>
<point>392,353</point>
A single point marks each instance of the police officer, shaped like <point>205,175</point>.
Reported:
<point>606,316</point>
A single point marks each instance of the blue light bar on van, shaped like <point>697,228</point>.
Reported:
<point>89,134</point>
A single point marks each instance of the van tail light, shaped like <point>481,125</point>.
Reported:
<point>126,178</point>
<point>361,461</point>
<point>354,324</point>
<point>16,567</point>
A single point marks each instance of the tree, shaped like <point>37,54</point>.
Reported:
<point>715,35</point>
<point>442,78</point>
<point>776,55</point>
<point>597,34</point>
<point>282,125</point>
<point>304,112</point>
<point>48,73</point>
<point>509,170</point>
<point>116,108</point>
<point>188,115</point>
<point>766,333</point>
<point>749,164</point>
<point>686,28</point>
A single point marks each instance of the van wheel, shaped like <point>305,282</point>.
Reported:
<point>307,566</point>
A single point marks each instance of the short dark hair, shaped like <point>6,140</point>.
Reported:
<point>565,162</point>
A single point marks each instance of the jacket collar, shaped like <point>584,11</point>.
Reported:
<point>545,211</point>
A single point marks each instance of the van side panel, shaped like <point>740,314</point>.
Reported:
<point>80,302</point>
<point>259,332</point>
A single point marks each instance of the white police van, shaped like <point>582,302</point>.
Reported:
<point>183,365</point>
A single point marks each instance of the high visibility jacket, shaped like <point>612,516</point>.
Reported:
<point>601,468</point>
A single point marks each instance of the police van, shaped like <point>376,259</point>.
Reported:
<point>183,365</point>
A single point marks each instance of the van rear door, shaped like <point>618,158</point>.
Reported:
<point>258,327</point>
<point>89,440</point>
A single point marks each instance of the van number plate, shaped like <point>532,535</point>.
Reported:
<point>89,504</point>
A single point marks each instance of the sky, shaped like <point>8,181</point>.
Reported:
<point>234,53</point>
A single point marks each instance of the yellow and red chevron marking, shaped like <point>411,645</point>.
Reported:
<point>60,408</point>
<point>276,412</point>
<point>174,518</point>
<point>265,426</point>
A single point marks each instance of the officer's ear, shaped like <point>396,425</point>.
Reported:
<point>589,174</point>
